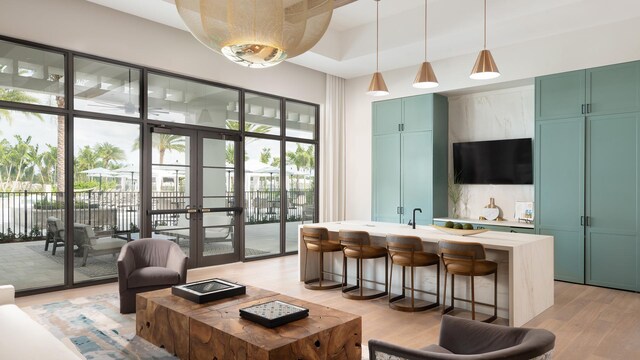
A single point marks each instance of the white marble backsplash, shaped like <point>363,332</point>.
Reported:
<point>491,115</point>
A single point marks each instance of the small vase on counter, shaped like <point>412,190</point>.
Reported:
<point>491,211</point>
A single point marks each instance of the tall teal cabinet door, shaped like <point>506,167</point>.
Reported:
<point>387,115</point>
<point>614,89</point>
<point>612,201</point>
<point>559,194</point>
<point>560,95</point>
<point>417,113</point>
<point>386,182</point>
<point>417,176</point>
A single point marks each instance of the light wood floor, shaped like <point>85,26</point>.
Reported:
<point>589,322</point>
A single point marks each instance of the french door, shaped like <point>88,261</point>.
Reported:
<point>192,193</point>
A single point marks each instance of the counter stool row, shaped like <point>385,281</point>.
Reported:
<point>458,258</point>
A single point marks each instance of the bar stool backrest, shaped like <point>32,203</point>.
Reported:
<point>403,244</point>
<point>314,234</point>
<point>354,238</point>
<point>453,251</point>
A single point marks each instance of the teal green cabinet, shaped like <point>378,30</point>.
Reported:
<point>613,89</point>
<point>587,181</point>
<point>560,95</point>
<point>386,116</point>
<point>409,158</point>
<point>612,200</point>
<point>386,151</point>
<point>559,192</point>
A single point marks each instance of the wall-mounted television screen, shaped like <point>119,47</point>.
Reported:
<point>493,162</point>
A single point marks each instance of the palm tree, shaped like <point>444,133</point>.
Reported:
<point>301,158</point>
<point>108,152</point>
<point>19,97</point>
<point>164,143</point>
<point>86,159</point>
<point>48,164</point>
<point>265,155</point>
<point>168,142</point>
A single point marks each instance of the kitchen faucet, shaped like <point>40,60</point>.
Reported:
<point>413,222</point>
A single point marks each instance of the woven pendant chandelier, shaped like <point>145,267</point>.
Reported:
<point>257,33</point>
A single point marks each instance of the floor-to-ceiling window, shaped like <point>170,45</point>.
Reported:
<point>95,153</point>
<point>32,161</point>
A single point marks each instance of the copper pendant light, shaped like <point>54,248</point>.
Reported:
<point>485,68</point>
<point>377,87</point>
<point>425,78</point>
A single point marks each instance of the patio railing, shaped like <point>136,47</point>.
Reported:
<point>24,214</point>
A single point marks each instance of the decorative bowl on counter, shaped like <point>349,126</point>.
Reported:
<point>460,232</point>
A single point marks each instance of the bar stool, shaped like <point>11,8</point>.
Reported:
<point>408,251</point>
<point>468,259</point>
<point>357,245</point>
<point>317,239</point>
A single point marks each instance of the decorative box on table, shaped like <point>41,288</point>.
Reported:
<point>208,290</point>
<point>274,313</point>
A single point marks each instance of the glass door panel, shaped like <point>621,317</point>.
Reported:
<point>300,190</point>
<point>171,174</point>
<point>217,201</point>
<point>32,200</point>
<point>106,208</point>
<point>262,197</point>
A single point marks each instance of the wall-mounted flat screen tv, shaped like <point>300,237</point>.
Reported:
<point>493,162</point>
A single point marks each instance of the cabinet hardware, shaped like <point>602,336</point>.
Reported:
<point>398,210</point>
<point>401,210</point>
<point>402,127</point>
<point>587,220</point>
<point>584,108</point>
<point>581,220</point>
<point>588,108</point>
<point>399,127</point>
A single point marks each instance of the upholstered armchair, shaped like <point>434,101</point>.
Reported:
<point>146,265</point>
<point>468,339</point>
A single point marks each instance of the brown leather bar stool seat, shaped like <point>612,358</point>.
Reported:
<point>357,245</point>
<point>408,251</point>
<point>467,259</point>
<point>317,239</point>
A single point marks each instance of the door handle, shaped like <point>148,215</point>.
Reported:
<point>581,220</point>
<point>584,108</point>
<point>588,108</point>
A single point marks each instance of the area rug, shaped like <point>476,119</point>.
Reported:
<point>97,329</point>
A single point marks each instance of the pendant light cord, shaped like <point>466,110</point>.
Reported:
<point>378,30</point>
<point>485,24</point>
<point>425,30</point>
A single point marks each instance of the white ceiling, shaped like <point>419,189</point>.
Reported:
<point>455,28</point>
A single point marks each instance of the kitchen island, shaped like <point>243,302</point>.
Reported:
<point>525,266</point>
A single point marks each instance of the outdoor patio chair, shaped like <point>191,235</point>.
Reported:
<point>217,228</point>
<point>89,243</point>
<point>55,234</point>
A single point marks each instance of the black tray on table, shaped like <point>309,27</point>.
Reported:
<point>274,313</point>
<point>208,290</point>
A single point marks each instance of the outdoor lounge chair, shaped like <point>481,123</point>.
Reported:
<point>89,243</point>
<point>217,228</point>
<point>55,234</point>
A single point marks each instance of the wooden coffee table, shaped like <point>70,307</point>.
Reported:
<point>215,330</point>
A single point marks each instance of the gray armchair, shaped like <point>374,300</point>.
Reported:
<point>146,265</point>
<point>473,340</point>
